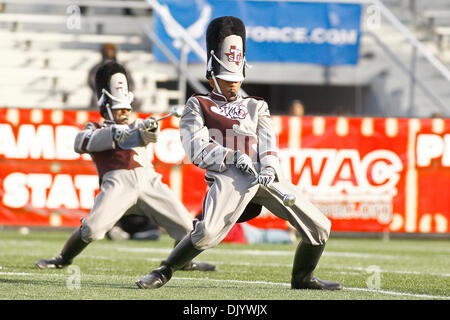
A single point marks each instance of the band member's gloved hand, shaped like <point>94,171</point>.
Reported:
<point>120,132</point>
<point>148,136</point>
<point>148,124</point>
<point>266,176</point>
<point>244,163</point>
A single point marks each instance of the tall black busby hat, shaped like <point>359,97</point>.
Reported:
<point>111,86</point>
<point>225,44</point>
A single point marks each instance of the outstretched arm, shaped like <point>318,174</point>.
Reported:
<point>94,138</point>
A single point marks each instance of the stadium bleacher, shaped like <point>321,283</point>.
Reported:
<point>47,53</point>
<point>46,60</point>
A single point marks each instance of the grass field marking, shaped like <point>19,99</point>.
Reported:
<point>339,268</point>
<point>64,274</point>
<point>246,264</point>
<point>235,281</point>
<point>413,295</point>
<point>250,282</point>
<point>252,264</point>
<point>394,293</point>
<point>17,274</point>
<point>400,271</point>
<point>262,252</point>
<point>114,259</point>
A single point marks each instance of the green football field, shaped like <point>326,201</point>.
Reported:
<point>369,269</point>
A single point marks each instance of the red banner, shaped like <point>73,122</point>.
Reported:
<point>366,174</point>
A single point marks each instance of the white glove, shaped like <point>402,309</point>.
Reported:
<point>148,124</point>
<point>244,163</point>
<point>120,132</point>
<point>266,176</point>
<point>148,136</point>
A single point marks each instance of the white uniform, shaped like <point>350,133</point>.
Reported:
<point>211,130</point>
<point>128,183</point>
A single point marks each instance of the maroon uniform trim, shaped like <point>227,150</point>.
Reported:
<point>214,120</point>
<point>229,138</point>
<point>85,142</point>
<point>115,159</point>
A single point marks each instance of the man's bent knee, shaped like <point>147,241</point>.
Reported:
<point>89,234</point>
<point>323,232</point>
<point>203,239</point>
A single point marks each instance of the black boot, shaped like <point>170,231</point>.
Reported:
<point>305,261</point>
<point>196,266</point>
<point>182,254</point>
<point>74,245</point>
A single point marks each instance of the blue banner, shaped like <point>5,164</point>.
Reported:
<point>277,31</point>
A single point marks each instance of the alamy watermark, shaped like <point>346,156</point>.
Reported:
<point>373,17</point>
<point>73,282</point>
<point>73,21</point>
<point>374,280</point>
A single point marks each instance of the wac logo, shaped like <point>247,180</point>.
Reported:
<point>344,184</point>
<point>234,55</point>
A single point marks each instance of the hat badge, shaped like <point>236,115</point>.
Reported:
<point>119,86</point>
<point>234,55</point>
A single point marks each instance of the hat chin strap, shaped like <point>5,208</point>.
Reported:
<point>244,64</point>
<point>104,91</point>
<point>216,84</point>
<point>210,69</point>
<point>108,108</point>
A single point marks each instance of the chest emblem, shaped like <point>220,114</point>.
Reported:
<point>232,111</point>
